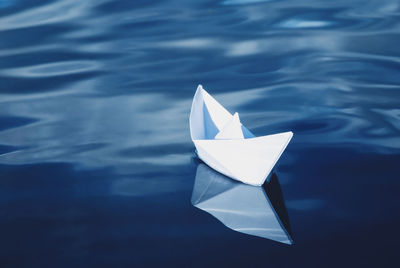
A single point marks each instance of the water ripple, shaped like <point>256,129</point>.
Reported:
<point>51,13</point>
<point>52,69</point>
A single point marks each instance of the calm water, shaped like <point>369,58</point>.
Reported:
<point>96,163</point>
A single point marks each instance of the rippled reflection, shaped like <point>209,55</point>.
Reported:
<point>253,210</point>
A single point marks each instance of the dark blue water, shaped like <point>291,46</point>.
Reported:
<point>96,163</point>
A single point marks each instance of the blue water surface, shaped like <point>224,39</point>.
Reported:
<point>96,163</point>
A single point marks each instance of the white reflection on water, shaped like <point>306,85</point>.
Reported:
<point>243,2</point>
<point>243,208</point>
<point>192,43</point>
<point>93,121</point>
<point>53,69</point>
<point>245,48</point>
<point>271,45</point>
<point>297,23</point>
<point>51,13</point>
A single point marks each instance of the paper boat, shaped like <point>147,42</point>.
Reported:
<point>253,210</point>
<point>224,144</point>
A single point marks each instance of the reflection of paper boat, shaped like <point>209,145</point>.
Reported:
<point>253,210</point>
<point>224,144</point>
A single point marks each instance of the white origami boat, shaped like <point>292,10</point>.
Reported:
<point>224,144</point>
<point>243,208</point>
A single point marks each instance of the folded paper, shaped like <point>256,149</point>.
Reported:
<point>243,208</point>
<point>227,146</point>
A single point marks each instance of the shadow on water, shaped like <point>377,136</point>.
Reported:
<point>258,211</point>
<point>275,195</point>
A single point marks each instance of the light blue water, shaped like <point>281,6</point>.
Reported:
<point>97,166</point>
